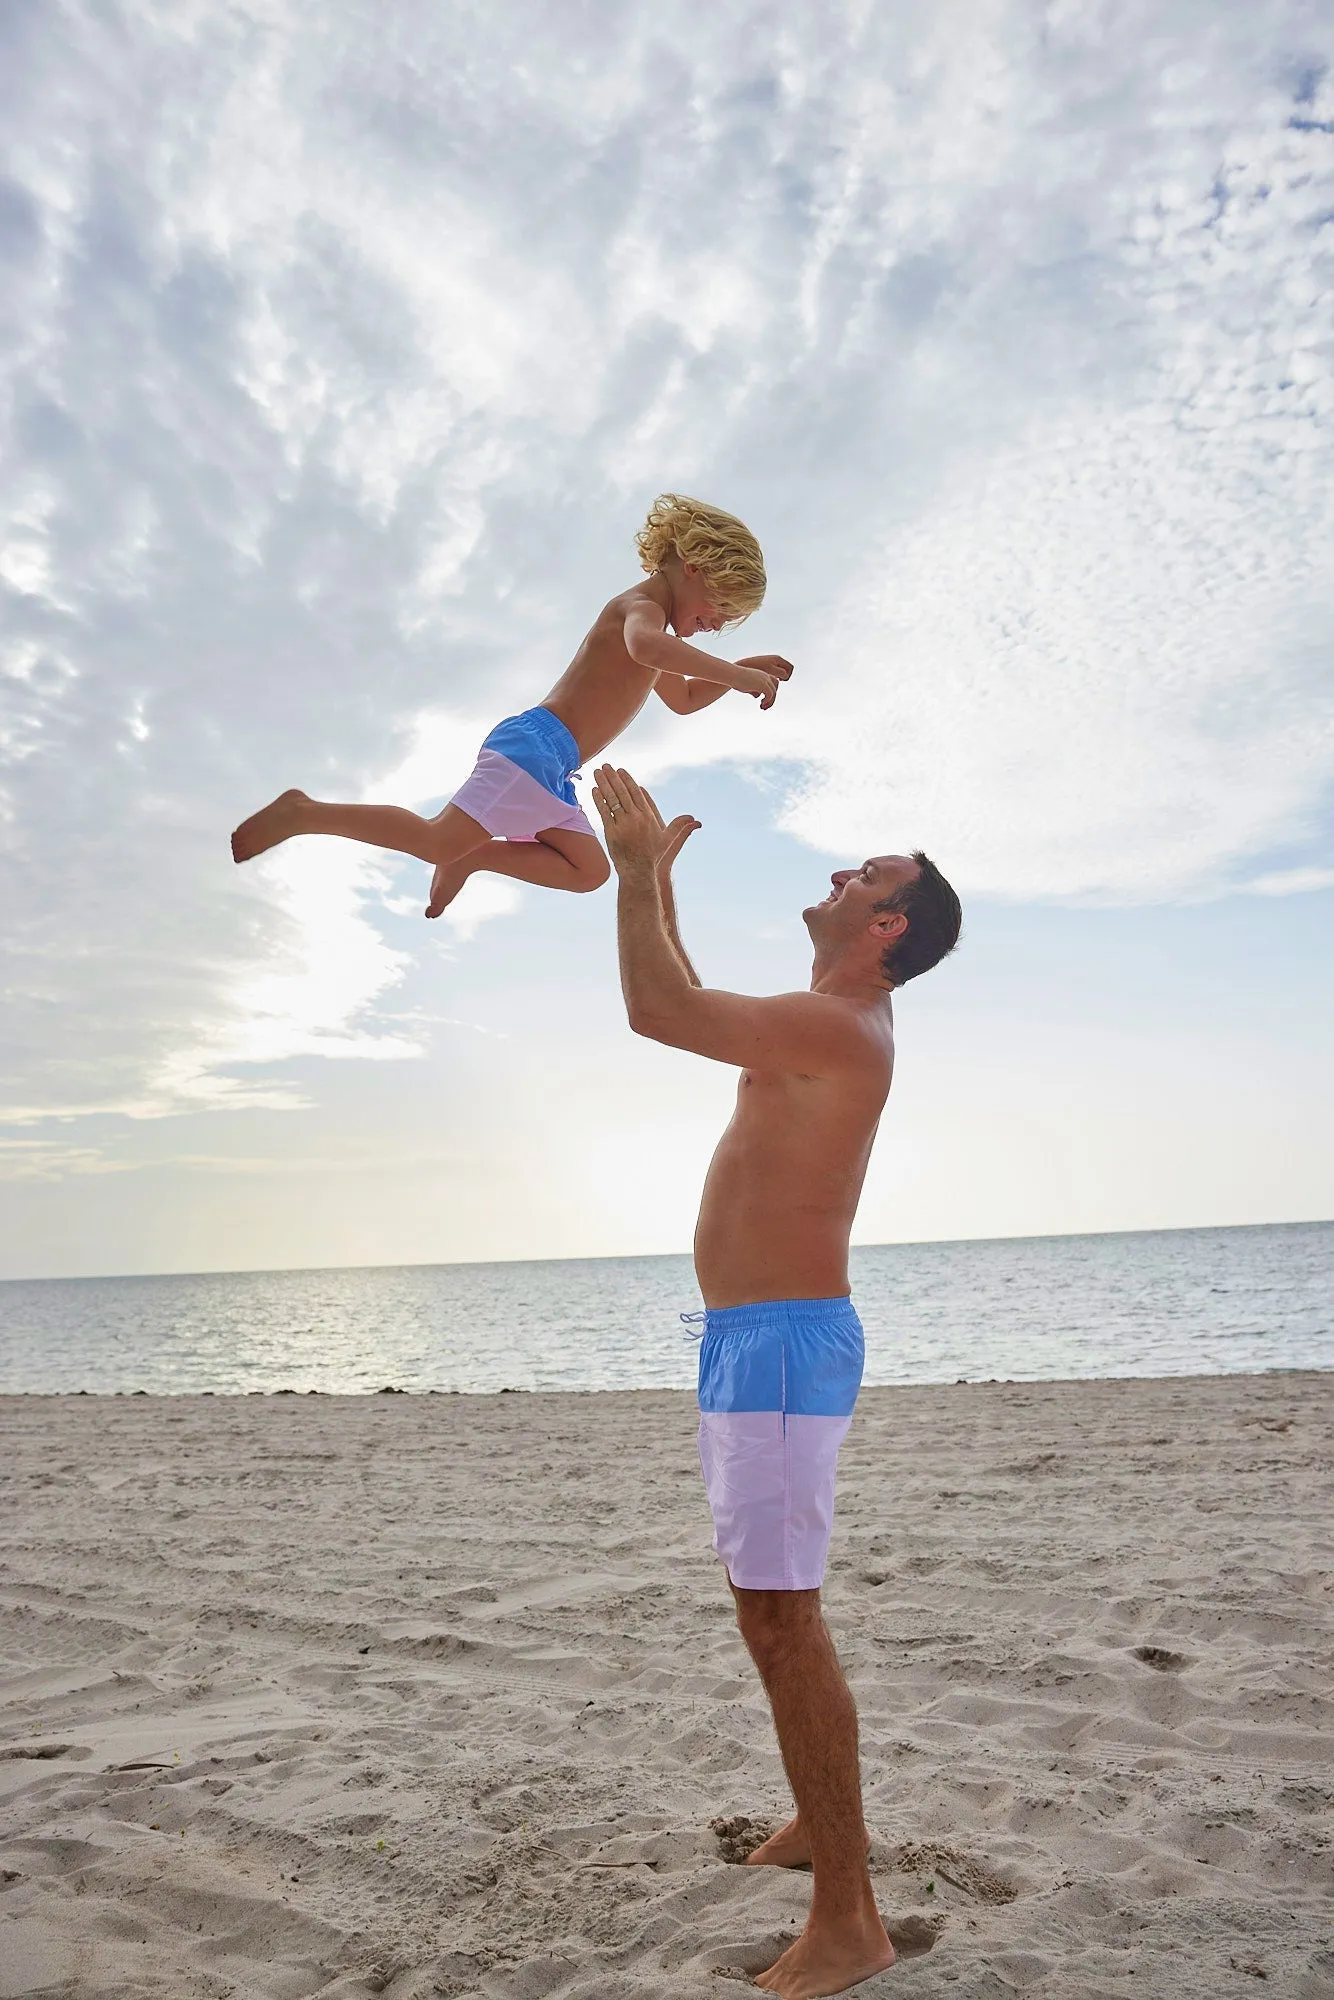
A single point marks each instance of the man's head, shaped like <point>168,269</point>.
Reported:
<point>897,912</point>
<point>711,560</point>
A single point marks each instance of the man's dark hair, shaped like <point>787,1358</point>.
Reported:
<point>934,915</point>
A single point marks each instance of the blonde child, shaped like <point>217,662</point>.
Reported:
<point>517,814</point>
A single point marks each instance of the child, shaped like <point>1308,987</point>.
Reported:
<point>517,814</point>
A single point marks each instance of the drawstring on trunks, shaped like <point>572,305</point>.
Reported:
<point>695,1323</point>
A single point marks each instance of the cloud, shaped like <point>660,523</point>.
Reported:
<point>50,1160</point>
<point>1089,672</point>
<point>338,365</point>
<point>1292,882</point>
<point>1116,631</point>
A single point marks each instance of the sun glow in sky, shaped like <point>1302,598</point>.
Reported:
<point>342,354</point>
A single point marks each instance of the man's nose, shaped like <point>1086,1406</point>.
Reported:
<point>840,876</point>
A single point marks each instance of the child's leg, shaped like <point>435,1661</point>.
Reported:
<point>445,838</point>
<point>557,859</point>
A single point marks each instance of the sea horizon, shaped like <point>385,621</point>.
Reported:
<point>643,1256</point>
<point>1237,1299</point>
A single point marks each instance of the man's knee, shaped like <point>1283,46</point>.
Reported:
<point>775,1624</point>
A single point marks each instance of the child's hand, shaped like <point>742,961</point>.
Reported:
<point>764,672</point>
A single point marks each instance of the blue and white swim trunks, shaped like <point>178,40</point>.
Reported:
<point>777,1386</point>
<point>520,785</point>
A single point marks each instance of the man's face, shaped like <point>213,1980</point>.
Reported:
<point>849,909</point>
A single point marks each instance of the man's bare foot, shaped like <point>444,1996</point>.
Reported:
<point>269,827</point>
<point>829,1961</point>
<point>788,1848</point>
<point>446,882</point>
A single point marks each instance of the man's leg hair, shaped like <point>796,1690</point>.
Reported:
<point>816,1721</point>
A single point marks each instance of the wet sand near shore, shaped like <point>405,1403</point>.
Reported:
<point>419,1695</point>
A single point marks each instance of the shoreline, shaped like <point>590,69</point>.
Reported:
<point>304,1693</point>
<point>490,1395</point>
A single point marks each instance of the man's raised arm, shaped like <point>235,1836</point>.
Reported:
<point>806,1032</point>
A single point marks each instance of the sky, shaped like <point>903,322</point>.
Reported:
<point>341,354</point>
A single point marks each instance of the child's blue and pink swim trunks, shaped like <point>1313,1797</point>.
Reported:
<point>777,1386</point>
<point>520,785</point>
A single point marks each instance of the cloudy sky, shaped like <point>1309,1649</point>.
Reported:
<point>342,353</point>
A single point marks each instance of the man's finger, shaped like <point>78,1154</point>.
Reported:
<point>610,780</point>
<point>605,779</point>
<point>634,794</point>
<point>678,833</point>
<point>603,804</point>
<point>784,669</point>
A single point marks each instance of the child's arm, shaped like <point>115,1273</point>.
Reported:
<point>650,644</point>
<point>685,697</point>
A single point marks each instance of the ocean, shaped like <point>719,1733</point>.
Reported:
<point>1163,1302</point>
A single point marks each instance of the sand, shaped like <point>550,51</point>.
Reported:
<point>441,1695</point>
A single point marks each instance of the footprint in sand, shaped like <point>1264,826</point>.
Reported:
<point>739,1836</point>
<point>1161,1659</point>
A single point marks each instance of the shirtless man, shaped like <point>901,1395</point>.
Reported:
<point>781,1357</point>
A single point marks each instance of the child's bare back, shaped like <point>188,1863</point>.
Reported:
<point>517,814</point>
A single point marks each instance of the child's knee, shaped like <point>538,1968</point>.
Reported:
<point>595,872</point>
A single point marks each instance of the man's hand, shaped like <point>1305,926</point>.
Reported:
<point>639,841</point>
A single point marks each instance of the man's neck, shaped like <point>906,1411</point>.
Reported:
<point>864,984</point>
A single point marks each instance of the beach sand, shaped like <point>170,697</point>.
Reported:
<point>419,1695</point>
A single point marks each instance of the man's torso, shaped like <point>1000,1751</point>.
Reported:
<point>784,1183</point>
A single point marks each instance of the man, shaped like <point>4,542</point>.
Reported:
<point>781,1356</point>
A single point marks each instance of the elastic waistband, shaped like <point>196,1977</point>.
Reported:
<point>551,725</point>
<point>779,1312</point>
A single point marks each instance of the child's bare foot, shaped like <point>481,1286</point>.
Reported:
<point>269,827</point>
<point>446,882</point>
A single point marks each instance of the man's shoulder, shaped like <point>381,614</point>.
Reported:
<point>856,1035</point>
<point>865,1017</point>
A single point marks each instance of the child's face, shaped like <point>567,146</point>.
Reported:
<point>693,609</point>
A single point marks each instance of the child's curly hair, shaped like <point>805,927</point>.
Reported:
<point>720,547</point>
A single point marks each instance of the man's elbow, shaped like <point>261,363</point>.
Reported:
<point>654,1023</point>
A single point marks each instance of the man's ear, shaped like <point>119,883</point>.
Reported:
<point>889,925</point>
